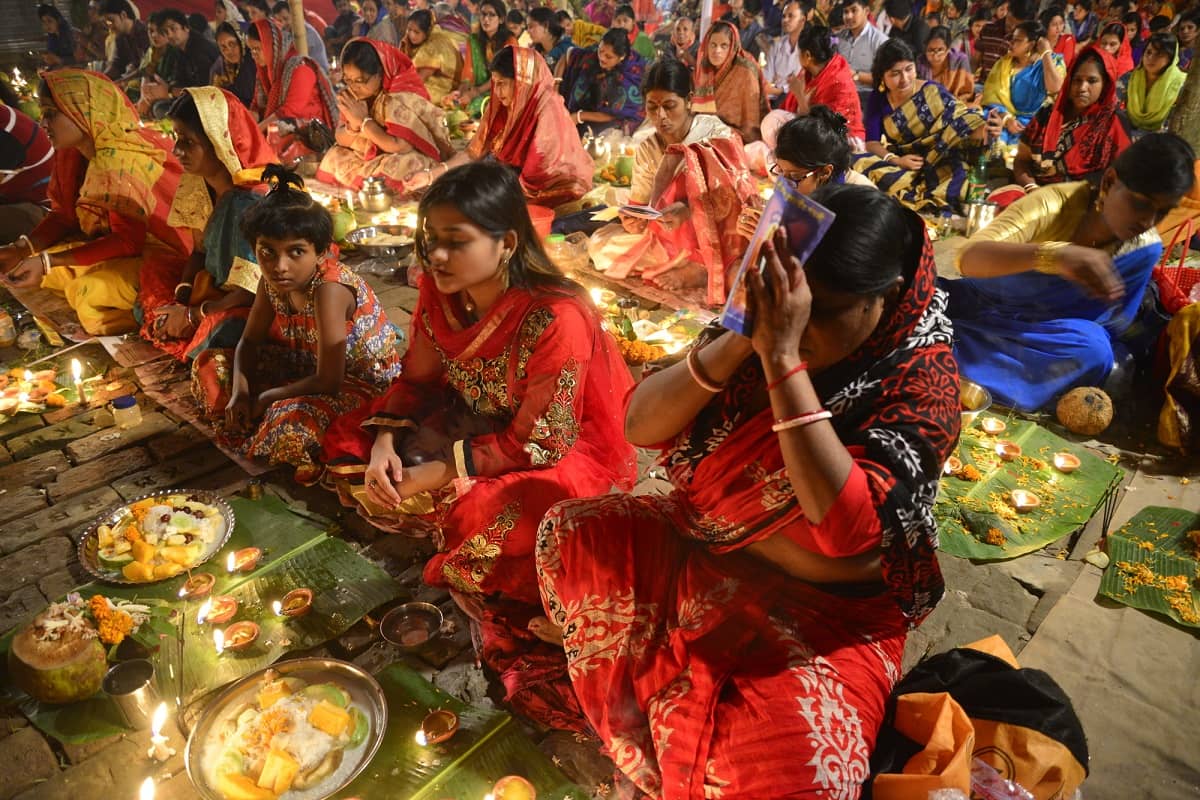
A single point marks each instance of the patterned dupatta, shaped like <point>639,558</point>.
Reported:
<point>616,91</point>
<point>896,408</point>
<point>535,134</point>
<point>129,162</point>
<point>1090,141</point>
<point>275,79</point>
<point>239,143</point>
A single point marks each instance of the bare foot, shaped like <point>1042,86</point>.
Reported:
<point>689,276</point>
<point>547,631</point>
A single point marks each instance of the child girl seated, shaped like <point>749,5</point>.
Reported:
<point>316,344</point>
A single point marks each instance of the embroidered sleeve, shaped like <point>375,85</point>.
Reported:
<point>547,376</point>
<point>420,387</point>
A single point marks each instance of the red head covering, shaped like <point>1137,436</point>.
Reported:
<point>399,74</point>
<point>234,134</point>
<point>275,78</point>
<point>1124,58</point>
<point>1099,136</point>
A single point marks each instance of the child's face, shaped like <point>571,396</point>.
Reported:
<point>287,264</point>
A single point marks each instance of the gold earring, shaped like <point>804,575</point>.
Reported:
<point>1100,201</point>
<point>504,268</point>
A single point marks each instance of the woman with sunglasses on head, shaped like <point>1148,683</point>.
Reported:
<point>692,172</point>
<point>509,400</point>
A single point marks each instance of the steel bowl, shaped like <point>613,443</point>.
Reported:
<point>974,398</point>
<point>411,625</point>
<point>360,237</point>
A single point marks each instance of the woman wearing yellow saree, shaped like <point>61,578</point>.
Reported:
<point>435,54</point>
<point>106,244</point>
<point>388,127</point>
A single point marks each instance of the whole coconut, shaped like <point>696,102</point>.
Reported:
<point>61,670</point>
<point>1086,410</point>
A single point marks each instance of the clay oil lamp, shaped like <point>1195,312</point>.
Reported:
<point>240,635</point>
<point>219,610</point>
<point>993,426</point>
<point>1023,500</point>
<point>1066,463</point>
<point>197,586</point>
<point>513,787</point>
<point>1008,451</point>
<point>437,727</point>
<point>953,466</point>
<point>243,560</point>
<point>296,603</point>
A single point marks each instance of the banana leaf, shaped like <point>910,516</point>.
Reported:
<point>969,512</point>
<point>297,554</point>
<point>1156,538</point>
<point>487,746</point>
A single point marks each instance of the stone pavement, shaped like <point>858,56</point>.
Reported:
<point>60,469</point>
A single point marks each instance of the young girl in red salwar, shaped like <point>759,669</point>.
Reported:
<point>316,345</point>
<point>740,636</point>
<point>509,368</point>
<point>106,244</point>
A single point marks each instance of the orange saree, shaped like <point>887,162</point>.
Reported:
<point>534,134</point>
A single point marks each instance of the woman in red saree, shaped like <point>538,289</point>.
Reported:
<point>509,401</point>
<point>1081,134</point>
<point>290,86</point>
<point>526,126</point>
<point>388,126</point>
<point>106,244</point>
<point>826,80</point>
<point>692,170</point>
<point>729,83</point>
<point>740,636</point>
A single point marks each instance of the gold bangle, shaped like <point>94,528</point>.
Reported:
<point>1045,258</point>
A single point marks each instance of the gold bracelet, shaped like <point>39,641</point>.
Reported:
<point>1045,258</point>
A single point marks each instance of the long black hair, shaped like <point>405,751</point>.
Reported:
<point>288,212</point>
<point>489,195</point>
<point>548,20</point>
<point>873,241</point>
<point>817,41</point>
<point>503,34</point>
<point>816,139</point>
<point>423,19</point>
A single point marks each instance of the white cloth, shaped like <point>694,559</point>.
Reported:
<point>860,51</point>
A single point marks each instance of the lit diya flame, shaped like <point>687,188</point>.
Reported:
<point>438,726</point>
<point>219,609</point>
<point>240,635</point>
<point>1008,451</point>
<point>1023,500</point>
<point>297,602</point>
<point>197,585</point>
<point>993,426</point>
<point>596,295</point>
<point>243,560</point>
<point>1066,463</point>
<point>28,377</point>
<point>277,608</point>
<point>202,614</point>
<point>219,640</point>
<point>513,787</point>
<point>953,465</point>
<point>147,790</point>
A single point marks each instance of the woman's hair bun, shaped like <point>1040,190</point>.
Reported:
<point>282,179</point>
<point>831,118</point>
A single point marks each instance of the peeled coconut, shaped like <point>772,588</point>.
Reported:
<point>1086,411</point>
<point>61,670</point>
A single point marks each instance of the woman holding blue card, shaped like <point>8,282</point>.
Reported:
<point>753,620</point>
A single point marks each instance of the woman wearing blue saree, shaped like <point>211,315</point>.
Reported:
<point>1056,280</point>
<point>1020,82</point>
<point>917,133</point>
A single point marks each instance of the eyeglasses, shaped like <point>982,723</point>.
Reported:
<point>793,177</point>
<point>355,81</point>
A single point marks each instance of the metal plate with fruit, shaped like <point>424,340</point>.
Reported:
<point>156,536</point>
<point>301,730</point>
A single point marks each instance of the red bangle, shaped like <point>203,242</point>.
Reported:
<point>775,384</point>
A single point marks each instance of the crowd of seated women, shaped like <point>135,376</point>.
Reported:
<point>766,598</point>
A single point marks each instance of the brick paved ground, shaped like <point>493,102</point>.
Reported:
<point>58,470</point>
